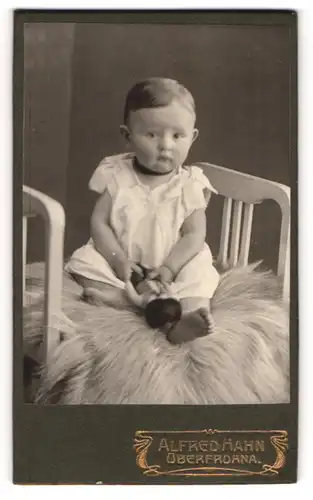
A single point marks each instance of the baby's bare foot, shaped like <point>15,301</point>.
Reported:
<point>191,326</point>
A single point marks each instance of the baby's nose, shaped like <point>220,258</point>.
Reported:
<point>166,142</point>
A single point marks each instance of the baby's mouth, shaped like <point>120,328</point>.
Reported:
<point>165,159</point>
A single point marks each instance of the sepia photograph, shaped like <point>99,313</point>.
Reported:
<point>155,246</point>
<point>157,180</point>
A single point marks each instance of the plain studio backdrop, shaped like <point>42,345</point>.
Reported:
<point>76,77</point>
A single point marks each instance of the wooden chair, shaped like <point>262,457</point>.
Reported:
<point>38,204</point>
<point>241,193</point>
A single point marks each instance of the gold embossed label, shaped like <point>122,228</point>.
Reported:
<point>211,452</point>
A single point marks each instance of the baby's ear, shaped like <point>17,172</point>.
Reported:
<point>125,132</point>
<point>195,134</point>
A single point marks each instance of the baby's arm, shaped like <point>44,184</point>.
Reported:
<point>193,232</point>
<point>105,240</point>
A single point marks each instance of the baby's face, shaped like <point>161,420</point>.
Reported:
<point>161,137</point>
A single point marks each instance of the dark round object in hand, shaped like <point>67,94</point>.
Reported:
<point>160,312</point>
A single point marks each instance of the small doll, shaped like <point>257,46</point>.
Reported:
<point>161,308</point>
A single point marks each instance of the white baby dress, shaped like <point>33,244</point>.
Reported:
<point>147,223</point>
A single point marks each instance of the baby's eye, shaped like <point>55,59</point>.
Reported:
<point>151,135</point>
<point>178,135</point>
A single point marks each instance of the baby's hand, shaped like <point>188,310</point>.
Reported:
<point>124,269</point>
<point>148,286</point>
<point>163,274</point>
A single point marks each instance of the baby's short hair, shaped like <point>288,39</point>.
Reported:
<point>156,93</point>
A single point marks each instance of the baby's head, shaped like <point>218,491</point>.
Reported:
<point>159,123</point>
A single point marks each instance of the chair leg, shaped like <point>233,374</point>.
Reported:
<point>24,254</point>
<point>53,281</point>
<point>284,252</point>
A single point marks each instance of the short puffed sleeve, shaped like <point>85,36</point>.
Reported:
<point>103,177</point>
<point>197,190</point>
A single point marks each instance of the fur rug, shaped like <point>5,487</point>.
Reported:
<point>114,358</point>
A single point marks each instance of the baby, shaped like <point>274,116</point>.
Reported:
<point>151,210</point>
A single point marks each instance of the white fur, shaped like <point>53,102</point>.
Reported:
<point>116,358</point>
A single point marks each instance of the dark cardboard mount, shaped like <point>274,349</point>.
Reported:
<point>95,444</point>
